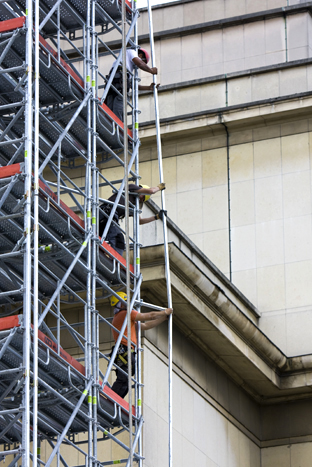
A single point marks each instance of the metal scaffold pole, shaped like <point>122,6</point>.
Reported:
<point>125,118</point>
<point>36,240</point>
<point>27,234</point>
<point>165,233</point>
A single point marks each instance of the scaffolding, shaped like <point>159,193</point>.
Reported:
<point>53,122</point>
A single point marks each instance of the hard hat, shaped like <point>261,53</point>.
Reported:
<point>147,56</point>
<point>146,197</point>
<point>114,300</point>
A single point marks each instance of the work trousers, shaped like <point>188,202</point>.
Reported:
<point>114,237</point>
<point>115,103</point>
<point>120,386</point>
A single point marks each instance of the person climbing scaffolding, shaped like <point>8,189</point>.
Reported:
<point>140,59</point>
<point>114,236</point>
<point>153,318</point>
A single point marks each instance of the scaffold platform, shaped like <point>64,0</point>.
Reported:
<point>62,381</point>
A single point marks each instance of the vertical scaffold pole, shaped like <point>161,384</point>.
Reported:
<point>27,233</point>
<point>125,107</point>
<point>163,205</point>
<point>36,239</point>
<point>136,250</point>
<point>95,197</point>
<point>88,208</point>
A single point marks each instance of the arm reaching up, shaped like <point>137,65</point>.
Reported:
<point>154,318</point>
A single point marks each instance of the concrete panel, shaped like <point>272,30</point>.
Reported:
<point>212,46</point>
<point>170,77</point>
<point>222,440</point>
<point>246,282</point>
<point>268,194</point>
<point>214,167</point>
<point>298,284</point>
<point>172,17</point>
<point>162,440</point>
<point>275,57</point>
<point>234,8</point>
<point>213,69</point>
<point>267,157</point>
<point>244,450</point>
<point>301,454</point>
<point>271,288</point>
<point>187,145</point>
<point>233,447</point>
<point>233,66</point>
<point>274,326</point>
<point>146,107</point>
<point>298,239</point>
<point>274,35</point>
<point>270,243</point>
<point>297,30</point>
<point>254,38</point>
<point>297,193</point>
<point>187,100</point>
<point>296,126</point>
<point>242,203</point>
<point>215,208</point>
<point>200,426</point>
<point>243,248</point>
<point>265,86</point>
<point>188,413</point>
<point>241,162</point>
<point>254,62</point>
<point>166,105</point>
<point>293,81</point>
<point>276,456</point>
<point>212,95</point>
<point>188,452</point>
<point>299,53</point>
<point>198,240</point>
<point>214,9</point>
<point>189,168</point>
<point>171,56</point>
<point>192,12</point>
<point>216,248</point>
<point>190,74</point>
<point>239,90</point>
<point>255,5</point>
<point>233,43</point>
<point>298,326</point>
<point>211,440</point>
<point>255,455</point>
<point>177,447</point>
<point>295,153</point>
<point>191,51</point>
<point>190,202</point>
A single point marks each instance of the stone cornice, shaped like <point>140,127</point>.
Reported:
<point>206,315</point>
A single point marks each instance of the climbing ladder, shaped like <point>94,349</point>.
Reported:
<point>53,123</point>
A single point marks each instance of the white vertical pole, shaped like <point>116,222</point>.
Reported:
<point>165,233</point>
<point>27,232</point>
<point>36,238</point>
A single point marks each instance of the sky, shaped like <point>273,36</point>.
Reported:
<point>143,3</point>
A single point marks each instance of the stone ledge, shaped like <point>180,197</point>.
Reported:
<point>206,316</point>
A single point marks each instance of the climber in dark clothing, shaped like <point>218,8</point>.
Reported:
<point>114,236</point>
